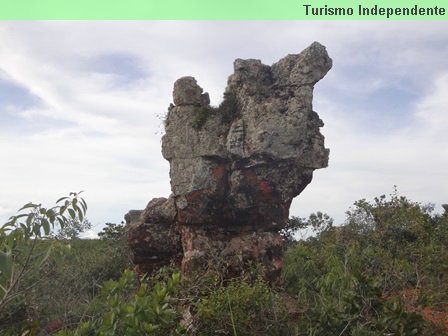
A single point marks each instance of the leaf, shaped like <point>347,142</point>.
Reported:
<point>20,216</point>
<point>12,221</point>
<point>30,219</point>
<point>83,207</point>
<point>72,213</point>
<point>61,221</point>
<point>36,230</point>
<point>81,200</point>
<point>61,199</point>
<point>75,206</point>
<point>5,265</point>
<point>26,229</point>
<point>80,215</point>
<point>46,226</point>
<point>28,205</point>
<point>62,209</point>
<point>51,215</point>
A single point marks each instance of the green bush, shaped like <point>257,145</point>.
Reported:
<point>25,246</point>
<point>352,279</point>
<point>338,296</point>
<point>227,110</point>
<point>348,280</point>
<point>72,278</point>
<point>241,308</point>
<point>125,308</point>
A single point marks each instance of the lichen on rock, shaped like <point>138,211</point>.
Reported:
<point>235,169</point>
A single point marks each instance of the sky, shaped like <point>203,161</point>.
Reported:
<point>82,106</point>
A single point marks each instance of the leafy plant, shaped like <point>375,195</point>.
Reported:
<point>72,278</point>
<point>113,231</point>
<point>201,117</point>
<point>72,229</point>
<point>241,308</point>
<point>339,297</point>
<point>316,223</point>
<point>20,255</point>
<point>127,309</point>
<point>227,110</point>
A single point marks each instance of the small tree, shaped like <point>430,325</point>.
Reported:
<point>113,231</point>
<point>397,224</point>
<point>73,228</point>
<point>20,254</point>
<point>317,222</point>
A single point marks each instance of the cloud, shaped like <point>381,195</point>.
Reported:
<point>364,164</point>
<point>90,99</point>
<point>89,234</point>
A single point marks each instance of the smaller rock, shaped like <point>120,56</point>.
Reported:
<point>159,210</point>
<point>153,238</point>
<point>232,252</point>
<point>132,217</point>
<point>187,92</point>
<point>445,207</point>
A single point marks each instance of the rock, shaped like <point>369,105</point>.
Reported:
<point>153,238</point>
<point>132,217</point>
<point>445,208</point>
<point>235,169</point>
<point>187,92</point>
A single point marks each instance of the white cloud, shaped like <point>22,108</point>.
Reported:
<point>364,165</point>
<point>105,138</point>
<point>89,234</point>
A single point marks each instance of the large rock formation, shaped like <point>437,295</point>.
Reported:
<point>235,169</point>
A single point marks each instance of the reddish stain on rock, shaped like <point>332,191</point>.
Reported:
<point>219,171</point>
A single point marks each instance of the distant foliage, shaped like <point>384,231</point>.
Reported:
<point>113,231</point>
<point>316,223</point>
<point>72,229</point>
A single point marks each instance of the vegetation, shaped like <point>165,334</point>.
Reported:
<point>201,117</point>
<point>25,247</point>
<point>242,308</point>
<point>381,273</point>
<point>227,110</point>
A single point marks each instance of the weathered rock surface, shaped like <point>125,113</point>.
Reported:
<point>153,236</point>
<point>235,169</point>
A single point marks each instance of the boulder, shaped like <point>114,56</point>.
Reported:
<point>235,168</point>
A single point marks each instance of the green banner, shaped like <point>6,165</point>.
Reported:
<point>223,10</point>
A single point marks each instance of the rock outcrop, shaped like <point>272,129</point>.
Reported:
<point>235,169</point>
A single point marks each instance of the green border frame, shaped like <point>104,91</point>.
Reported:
<point>211,9</point>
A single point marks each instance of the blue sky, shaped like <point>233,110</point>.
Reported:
<point>82,104</point>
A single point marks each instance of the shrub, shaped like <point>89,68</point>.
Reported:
<point>123,308</point>
<point>227,110</point>
<point>338,296</point>
<point>72,279</point>
<point>241,308</point>
<point>24,247</point>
